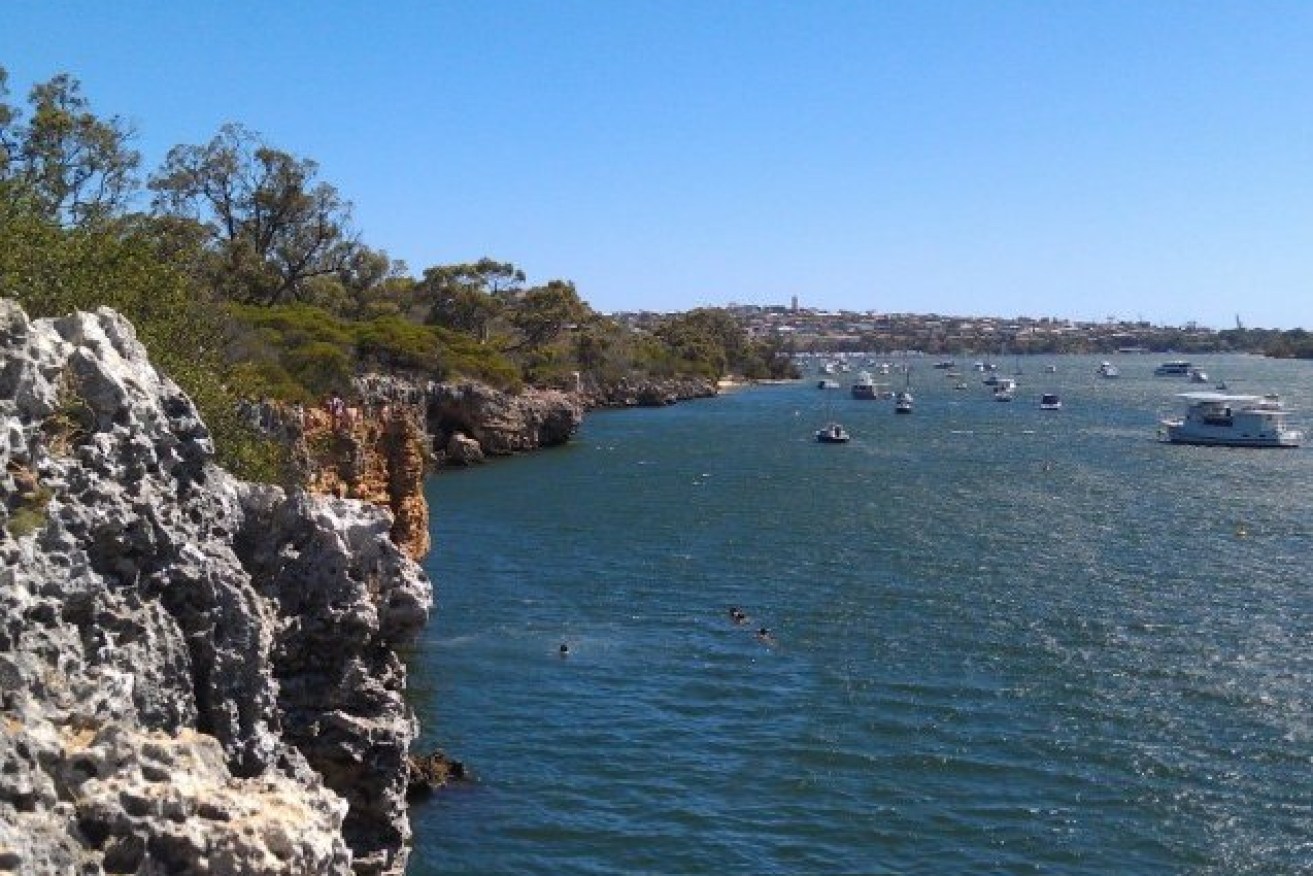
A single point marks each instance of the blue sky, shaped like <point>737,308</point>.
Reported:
<point>1141,160</point>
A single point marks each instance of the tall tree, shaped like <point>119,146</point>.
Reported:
<point>66,164</point>
<point>469,297</point>
<point>274,227</point>
<point>542,313</point>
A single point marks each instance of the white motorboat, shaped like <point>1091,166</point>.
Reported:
<point>832,433</point>
<point>1198,375</point>
<point>827,384</point>
<point>1229,420</point>
<point>1107,370</point>
<point>1179,367</point>
<point>1050,401</point>
<point>1005,389</point>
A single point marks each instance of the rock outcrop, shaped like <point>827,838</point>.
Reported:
<point>501,423</point>
<point>376,454</point>
<point>197,674</point>
<point>648,393</point>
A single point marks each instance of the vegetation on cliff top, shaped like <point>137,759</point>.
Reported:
<point>246,278</point>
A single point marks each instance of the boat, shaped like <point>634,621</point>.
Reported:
<point>827,384</point>
<point>945,364</point>
<point>1173,367</point>
<point>1230,420</point>
<point>1107,370</point>
<point>1050,401</point>
<point>832,433</point>
<point>1198,375</point>
<point>1050,369</point>
<point>903,400</point>
<point>1005,389</point>
<point>864,387</point>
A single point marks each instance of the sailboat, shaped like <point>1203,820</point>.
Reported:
<point>903,400</point>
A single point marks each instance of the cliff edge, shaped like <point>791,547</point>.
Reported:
<point>197,674</point>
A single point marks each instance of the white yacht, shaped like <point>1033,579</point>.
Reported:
<point>1005,389</point>
<point>1107,370</point>
<point>1230,420</point>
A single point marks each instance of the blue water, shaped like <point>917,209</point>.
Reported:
<point>1005,640</point>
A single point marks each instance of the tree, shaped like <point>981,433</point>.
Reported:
<point>274,228</point>
<point>66,164</point>
<point>540,314</point>
<point>469,297</point>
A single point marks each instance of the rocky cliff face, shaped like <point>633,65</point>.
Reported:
<point>468,421</point>
<point>648,393</point>
<point>376,454</point>
<point>197,674</point>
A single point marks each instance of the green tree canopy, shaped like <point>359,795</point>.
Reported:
<point>469,297</point>
<point>67,164</point>
<point>272,225</point>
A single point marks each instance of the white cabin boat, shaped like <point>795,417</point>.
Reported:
<point>865,387</point>
<point>1173,367</point>
<point>1107,370</point>
<point>1050,401</point>
<point>1228,420</point>
<point>832,433</point>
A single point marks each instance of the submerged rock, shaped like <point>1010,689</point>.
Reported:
<point>197,674</point>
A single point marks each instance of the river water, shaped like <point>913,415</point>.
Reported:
<point>1003,640</point>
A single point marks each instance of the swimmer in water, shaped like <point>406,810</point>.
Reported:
<point>564,650</point>
<point>737,615</point>
<point>764,636</point>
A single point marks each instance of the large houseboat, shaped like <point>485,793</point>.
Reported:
<point>1229,420</point>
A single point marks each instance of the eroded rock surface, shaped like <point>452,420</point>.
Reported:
<point>197,674</point>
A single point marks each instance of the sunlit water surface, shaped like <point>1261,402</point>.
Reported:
<point>1005,640</point>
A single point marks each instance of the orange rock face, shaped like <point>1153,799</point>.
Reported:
<point>375,454</point>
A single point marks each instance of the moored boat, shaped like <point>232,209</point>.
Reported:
<point>1179,367</point>
<point>865,387</point>
<point>1229,420</point>
<point>1107,370</point>
<point>1050,401</point>
<point>832,433</point>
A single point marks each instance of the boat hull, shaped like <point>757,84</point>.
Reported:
<point>1175,435</point>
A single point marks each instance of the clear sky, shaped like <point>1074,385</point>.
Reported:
<point>1140,159</point>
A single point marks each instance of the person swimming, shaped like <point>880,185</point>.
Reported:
<point>564,650</point>
<point>764,635</point>
<point>737,614</point>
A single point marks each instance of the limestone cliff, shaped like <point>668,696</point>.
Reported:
<point>374,453</point>
<point>197,674</point>
<point>647,392</point>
